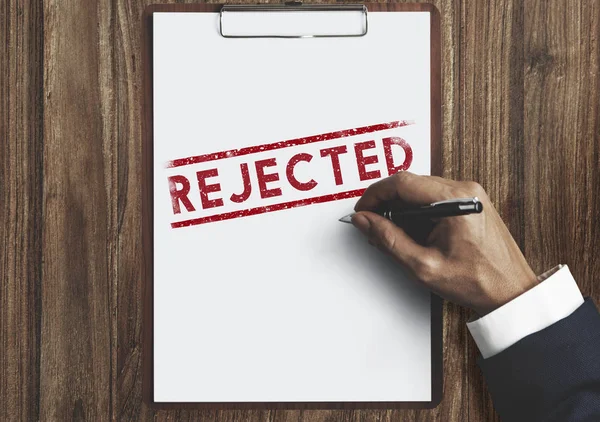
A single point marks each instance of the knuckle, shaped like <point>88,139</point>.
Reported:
<point>427,269</point>
<point>387,238</point>
<point>474,188</point>
<point>457,192</point>
<point>467,189</point>
<point>402,176</point>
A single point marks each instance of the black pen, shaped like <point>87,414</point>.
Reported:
<point>448,208</point>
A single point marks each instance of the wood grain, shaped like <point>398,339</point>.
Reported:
<point>521,114</point>
<point>21,144</point>
<point>562,138</point>
<point>78,232</point>
<point>127,61</point>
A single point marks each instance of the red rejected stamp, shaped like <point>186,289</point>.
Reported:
<point>286,174</point>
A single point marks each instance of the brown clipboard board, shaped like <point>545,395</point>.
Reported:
<point>148,238</point>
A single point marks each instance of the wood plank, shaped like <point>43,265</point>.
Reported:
<point>21,111</point>
<point>79,221</point>
<point>125,44</point>
<point>490,147</point>
<point>562,138</point>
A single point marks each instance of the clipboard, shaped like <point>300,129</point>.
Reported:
<point>223,15</point>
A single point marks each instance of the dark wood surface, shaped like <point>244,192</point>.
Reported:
<point>521,115</point>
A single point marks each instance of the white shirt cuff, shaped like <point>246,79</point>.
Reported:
<point>553,299</point>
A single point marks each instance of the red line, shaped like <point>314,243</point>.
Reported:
<point>289,143</point>
<point>269,208</point>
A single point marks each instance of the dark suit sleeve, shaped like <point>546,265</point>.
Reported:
<point>551,375</point>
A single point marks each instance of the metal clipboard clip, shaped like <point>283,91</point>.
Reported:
<point>292,7</point>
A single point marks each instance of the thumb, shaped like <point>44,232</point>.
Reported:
<point>391,239</point>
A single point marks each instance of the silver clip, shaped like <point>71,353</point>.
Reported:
<point>293,6</point>
<point>465,201</point>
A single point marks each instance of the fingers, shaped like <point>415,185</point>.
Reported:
<point>393,240</point>
<point>405,186</point>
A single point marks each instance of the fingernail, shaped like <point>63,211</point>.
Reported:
<point>362,223</point>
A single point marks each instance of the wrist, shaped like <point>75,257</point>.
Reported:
<point>508,289</point>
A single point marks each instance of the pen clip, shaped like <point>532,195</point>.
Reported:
<point>473,200</point>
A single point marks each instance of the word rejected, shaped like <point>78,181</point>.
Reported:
<point>282,175</point>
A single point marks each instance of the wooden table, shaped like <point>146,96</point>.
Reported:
<point>521,115</point>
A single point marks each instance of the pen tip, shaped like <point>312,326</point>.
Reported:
<point>346,219</point>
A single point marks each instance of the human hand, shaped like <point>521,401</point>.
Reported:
<point>471,260</point>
